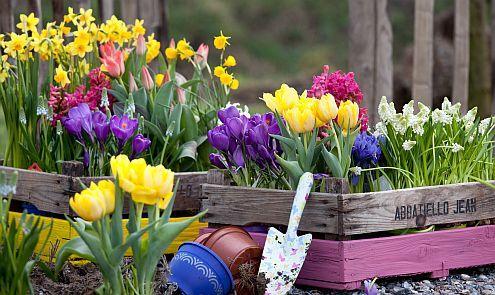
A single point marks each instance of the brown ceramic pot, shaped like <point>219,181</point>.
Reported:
<point>235,246</point>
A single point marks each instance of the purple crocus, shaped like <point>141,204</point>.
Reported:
<point>217,160</point>
<point>370,288</point>
<point>101,126</point>
<point>218,138</point>
<point>123,129</point>
<point>139,145</point>
<point>230,112</point>
<point>78,120</point>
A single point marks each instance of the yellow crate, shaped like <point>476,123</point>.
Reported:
<point>63,232</point>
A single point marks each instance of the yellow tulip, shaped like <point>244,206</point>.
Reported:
<point>285,98</point>
<point>348,114</point>
<point>301,118</point>
<point>326,108</point>
<point>89,204</point>
<point>107,189</point>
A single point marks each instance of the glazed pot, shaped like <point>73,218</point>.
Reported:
<point>198,270</point>
<point>235,246</point>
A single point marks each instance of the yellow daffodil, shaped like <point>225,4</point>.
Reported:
<point>219,71</point>
<point>28,23</point>
<point>138,28</point>
<point>90,204</point>
<point>63,30</point>
<point>171,53</point>
<point>226,79</point>
<point>84,67</point>
<point>230,61</point>
<point>184,49</point>
<point>152,48</point>
<point>61,76</point>
<point>159,79</point>
<point>234,85</point>
<point>221,41</point>
<point>85,16</point>
<point>348,115</point>
<point>70,17</point>
<point>80,47</point>
<point>326,108</point>
<point>285,98</point>
<point>16,44</point>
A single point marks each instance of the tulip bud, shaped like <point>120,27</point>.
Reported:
<point>146,79</point>
<point>141,45</point>
<point>326,108</point>
<point>201,57</point>
<point>132,83</point>
<point>89,204</point>
<point>348,115</point>
<point>300,120</point>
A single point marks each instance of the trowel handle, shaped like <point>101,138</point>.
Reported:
<point>302,194</point>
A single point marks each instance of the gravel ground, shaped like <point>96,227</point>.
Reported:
<point>475,281</point>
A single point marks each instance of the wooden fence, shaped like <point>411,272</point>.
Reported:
<point>370,43</point>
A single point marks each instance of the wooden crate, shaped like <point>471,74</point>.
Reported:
<point>344,214</point>
<point>344,265</point>
<point>51,192</point>
<point>62,232</point>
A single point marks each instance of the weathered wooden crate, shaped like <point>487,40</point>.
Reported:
<point>51,193</point>
<point>344,214</point>
<point>344,265</point>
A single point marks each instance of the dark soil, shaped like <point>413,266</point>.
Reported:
<point>74,279</point>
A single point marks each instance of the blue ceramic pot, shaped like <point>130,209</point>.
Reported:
<point>197,270</point>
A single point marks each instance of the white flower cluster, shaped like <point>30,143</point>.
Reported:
<point>408,145</point>
<point>402,121</point>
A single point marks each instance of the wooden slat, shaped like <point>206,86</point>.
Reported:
<point>107,9</point>
<point>188,193</point>
<point>6,17</point>
<point>382,211</point>
<point>423,52</point>
<point>48,192</point>
<point>383,59</point>
<point>460,85</point>
<point>129,9</point>
<point>362,49</point>
<point>244,206</point>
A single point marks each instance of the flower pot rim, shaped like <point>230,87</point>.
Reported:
<point>214,255</point>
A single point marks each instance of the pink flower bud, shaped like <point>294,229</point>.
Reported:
<point>146,79</point>
<point>141,45</point>
<point>201,57</point>
<point>132,83</point>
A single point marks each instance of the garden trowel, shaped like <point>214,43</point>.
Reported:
<point>284,254</point>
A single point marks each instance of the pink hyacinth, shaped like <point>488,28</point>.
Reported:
<point>62,101</point>
<point>342,86</point>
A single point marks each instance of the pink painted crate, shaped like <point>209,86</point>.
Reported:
<point>344,265</point>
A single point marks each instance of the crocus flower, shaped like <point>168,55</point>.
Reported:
<point>230,112</point>
<point>139,145</point>
<point>101,126</point>
<point>218,138</point>
<point>123,128</point>
<point>217,160</point>
<point>112,59</point>
<point>146,78</point>
<point>78,120</point>
<point>370,288</point>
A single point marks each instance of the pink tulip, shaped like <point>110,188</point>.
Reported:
<point>112,59</point>
<point>201,57</point>
<point>141,45</point>
<point>132,83</point>
<point>146,79</point>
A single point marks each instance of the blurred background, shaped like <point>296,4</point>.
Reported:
<point>288,41</point>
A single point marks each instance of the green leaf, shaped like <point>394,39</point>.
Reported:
<point>292,167</point>
<point>189,124</point>
<point>155,130</point>
<point>76,246</point>
<point>190,83</point>
<point>118,91</point>
<point>189,150</point>
<point>141,98</point>
<point>332,162</point>
<point>119,251</point>
<point>175,117</point>
<point>162,103</point>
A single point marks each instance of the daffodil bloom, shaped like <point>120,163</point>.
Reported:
<point>234,85</point>
<point>221,41</point>
<point>70,17</point>
<point>16,45</point>
<point>285,98</point>
<point>138,28</point>
<point>348,115</point>
<point>159,79</point>
<point>184,49</point>
<point>230,61</point>
<point>80,47</point>
<point>326,109</point>
<point>85,16</point>
<point>152,48</point>
<point>61,76</point>
<point>28,23</point>
<point>219,71</point>
<point>226,79</point>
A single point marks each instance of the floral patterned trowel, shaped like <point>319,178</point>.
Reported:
<point>284,254</point>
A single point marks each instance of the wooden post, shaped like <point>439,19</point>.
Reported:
<point>6,17</point>
<point>58,10</point>
<point>423,52</point>
<point>107,9</point>
<point>384,71</point>
<point>460,85</point>
<point>86,4</point>
<point>362,49</point>
<point>129,10</point>
<point>479,71</point>
<point>370,51</point>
